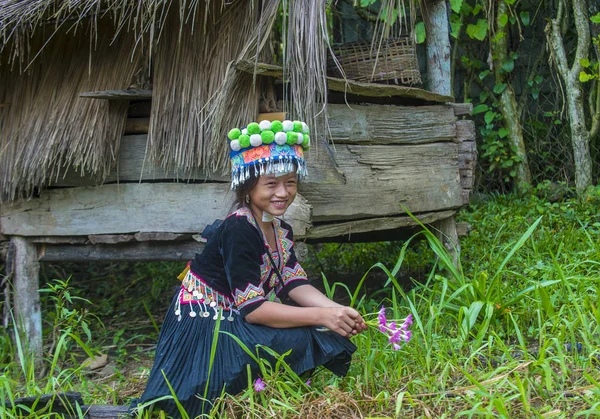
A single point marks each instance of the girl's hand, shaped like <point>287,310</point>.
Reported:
<point>345,321</point>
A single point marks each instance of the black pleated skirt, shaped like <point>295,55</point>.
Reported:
<point>184,349</point>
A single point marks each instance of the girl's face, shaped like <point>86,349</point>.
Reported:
<point>273,194</point>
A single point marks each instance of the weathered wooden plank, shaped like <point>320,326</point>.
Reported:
<point>462,109</point>
<point>384,90</point>
<point>130,251</point>
<point>130,208</point>
<point>58,240</point>
<point>59,403</point>
<point>135,167</point>
<point>348,228</point>
<point>146,236</point>
<point>118,209</point>
<point>381,179</point>
<point>350,86</point>
<point>380,124</point>
<point>126,94</point>
<point>465,130</point>
<point>110,238</point>
<point>106,412</point>
<point>136,126</point>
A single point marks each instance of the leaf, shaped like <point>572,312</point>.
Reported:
<point>480,109</point>
<point>595,18</point>
<point>502,132</point>
<point>478,31</point>
<point>489,117</point>
<point>499,88</point>
<point>584,62</point>
<point>508,65</point>
<point>420,32</point>
<point>585,77</point>
<point>538,79</point>
<point>455,25</point>
<point>525,18</point>
<point>509,1</point>
<point>365,3</point>
<point>513,20</point>
<point>483,96</point>
<point>503,19</point>
<point>456,5</point>
<point>484,74</point>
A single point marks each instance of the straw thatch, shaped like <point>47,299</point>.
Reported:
<point>197,92</point>
<point>189,64</point>
<point>46,127</point>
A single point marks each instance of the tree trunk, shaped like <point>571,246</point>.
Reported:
<point>435,17</point>
<point>580,137</point>
<point>508,103</point>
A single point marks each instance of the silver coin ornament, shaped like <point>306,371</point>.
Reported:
<point>192,314</point>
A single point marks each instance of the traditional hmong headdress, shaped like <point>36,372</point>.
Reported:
<point>268,147</point>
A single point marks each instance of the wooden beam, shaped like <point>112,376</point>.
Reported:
<point>130,208</point>
<point>126,94</point>
<point>118,209</point>
<point>135,167</point>
<point>380,179</point>
<point>379,124</point>
<point>130,251</point>
<point>385,90</point>
<point>26,299</point>
<point>136,126</point>
<point>351,86</point>
<point>336,230</point>
<point>462,109</point>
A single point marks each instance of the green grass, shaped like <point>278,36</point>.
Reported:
<point>513,332</point>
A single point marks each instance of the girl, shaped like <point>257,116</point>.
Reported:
<point>246,268</point>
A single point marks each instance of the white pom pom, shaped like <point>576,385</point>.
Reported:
<point>255,140</point>
<point>245,131</point>
<point>288,125</point>
<point>304,128</point>
<point>300,138</point>
<point>281,138</point>
<point>235,145</point>
<point>264,125</point>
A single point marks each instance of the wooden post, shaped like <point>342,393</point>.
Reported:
<point>26,298</point>
<point>435,15</point>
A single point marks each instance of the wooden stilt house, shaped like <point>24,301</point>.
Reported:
<point>113,124</point>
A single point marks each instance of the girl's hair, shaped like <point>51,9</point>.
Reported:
<point>243,190</point>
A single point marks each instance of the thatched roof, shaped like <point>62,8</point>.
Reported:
<point>51,50</point>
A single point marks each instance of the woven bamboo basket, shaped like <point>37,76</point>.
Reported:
<point>396,60</point>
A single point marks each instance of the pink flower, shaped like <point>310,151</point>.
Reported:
<point>381,317</point>
<point>308,382</point>
<point>259,385</point>
<point>396,335</point>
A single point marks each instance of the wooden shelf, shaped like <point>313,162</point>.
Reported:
<point>350,86</point>
<point>127,94</point>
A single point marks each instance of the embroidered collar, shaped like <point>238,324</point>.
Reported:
<point>283,243</point>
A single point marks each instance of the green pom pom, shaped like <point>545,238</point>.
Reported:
<point>253,128</point>
<point>276,126</point>
<point>267,136</point>
<point>244,141</point>
<point>234,134</point>
<point>297,126</point>
<point>292,138</point>
<point>306,143</point>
